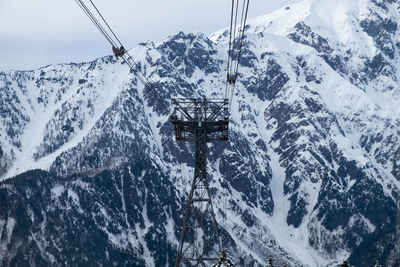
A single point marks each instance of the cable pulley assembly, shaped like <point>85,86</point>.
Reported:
<point>236,36</point>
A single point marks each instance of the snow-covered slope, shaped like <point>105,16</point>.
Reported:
<point>311,173</point>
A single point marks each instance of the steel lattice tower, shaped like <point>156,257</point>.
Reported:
<point>200,121</point>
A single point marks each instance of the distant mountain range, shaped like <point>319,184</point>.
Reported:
<point>91,172</point>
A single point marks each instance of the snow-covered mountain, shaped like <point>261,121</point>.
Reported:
<point>311,173</point>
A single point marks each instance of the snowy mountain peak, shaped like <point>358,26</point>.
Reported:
<point>312,164</point>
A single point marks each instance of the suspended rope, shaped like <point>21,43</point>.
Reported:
<point>236,37</point>
<point>95,21</point>
<point>93,13</point>
<point>108,26</point>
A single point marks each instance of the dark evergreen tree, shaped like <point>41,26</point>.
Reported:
<point>223,260</point>
<point>270,262</point>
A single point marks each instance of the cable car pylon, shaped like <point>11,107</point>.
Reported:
<point>203,121</point>
<point>200,121</point>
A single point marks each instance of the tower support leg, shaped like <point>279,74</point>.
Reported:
<point>199,240</point>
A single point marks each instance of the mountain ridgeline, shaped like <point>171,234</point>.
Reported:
<point>91,172</point>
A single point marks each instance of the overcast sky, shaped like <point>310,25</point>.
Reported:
<point>42,32</point>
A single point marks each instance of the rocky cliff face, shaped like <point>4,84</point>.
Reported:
<point>311,173</point>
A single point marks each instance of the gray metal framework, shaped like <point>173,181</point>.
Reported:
<point>200,121</point>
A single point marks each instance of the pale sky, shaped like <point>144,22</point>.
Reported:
<point>42,32</point>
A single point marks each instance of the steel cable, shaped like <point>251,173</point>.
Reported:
<point>236,38</point>
<point>95,21</point>
<point>105,22</point>
<point>132,64</point>
<point>242,37</point>
<point>230,47</point>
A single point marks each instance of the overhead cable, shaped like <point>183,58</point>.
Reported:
<point>235,46</point>
<point>101,24</point>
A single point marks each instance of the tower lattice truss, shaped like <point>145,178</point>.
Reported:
<point>200,121</point>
